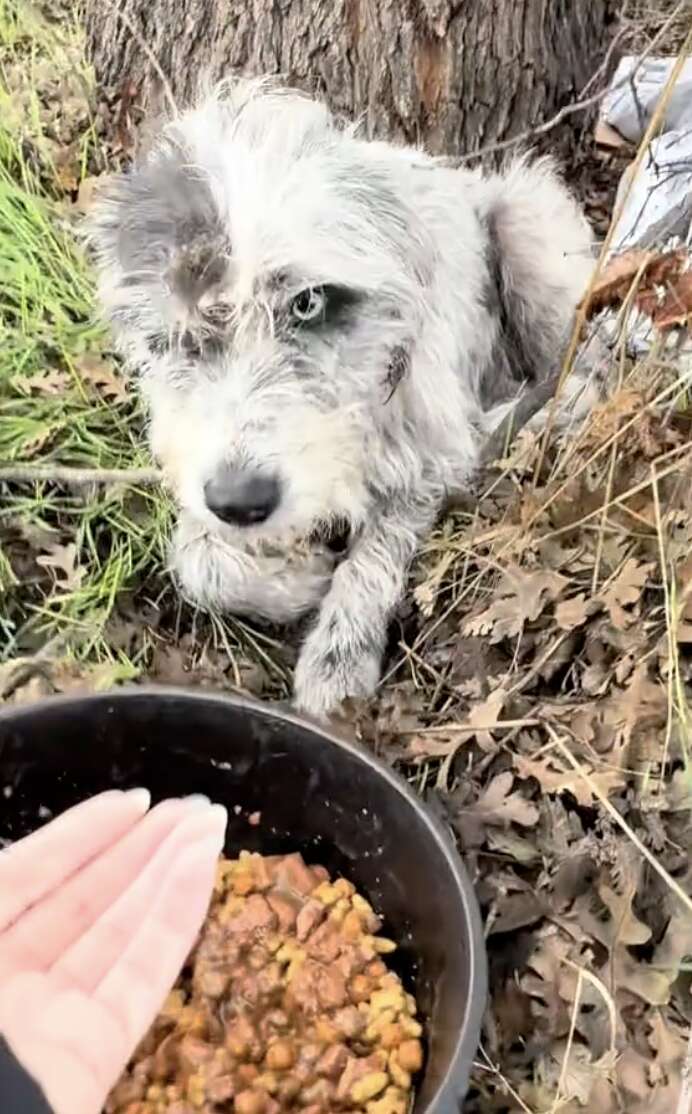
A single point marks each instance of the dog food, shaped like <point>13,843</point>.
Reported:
<point>286,1004</point>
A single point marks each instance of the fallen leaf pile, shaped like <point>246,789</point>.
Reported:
<point>541,703</point>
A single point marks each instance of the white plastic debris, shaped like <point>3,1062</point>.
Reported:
<point>634,93</point>
<point>658,208</point>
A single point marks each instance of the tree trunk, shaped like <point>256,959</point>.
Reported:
<point>455,75</point>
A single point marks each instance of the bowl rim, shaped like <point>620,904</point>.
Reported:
<point>454,1083</point>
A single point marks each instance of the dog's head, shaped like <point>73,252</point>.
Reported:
<point>264,269</point>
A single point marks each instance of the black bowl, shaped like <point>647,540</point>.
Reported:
<point>316,793</point>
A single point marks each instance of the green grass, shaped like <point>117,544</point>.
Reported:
<point>48,409</point>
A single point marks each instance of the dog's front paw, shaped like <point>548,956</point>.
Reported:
<point>332,666</point>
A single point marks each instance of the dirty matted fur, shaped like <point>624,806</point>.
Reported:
<point>346,319</point>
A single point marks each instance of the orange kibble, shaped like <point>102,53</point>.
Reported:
<point>376,969</point>
<point>281,1055</point>
<point>361,988</point>
<point>246,1073</point>
<point>243,884</point>
<point>286,1003</point>
<point>352,926</point>
<point>250,1102</point>
<point>410,1055</point>
<point>325,1032</point>
<point>289,1088</point>
<point>392,1035</point>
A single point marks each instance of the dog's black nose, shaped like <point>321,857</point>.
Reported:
<point>242,498</point>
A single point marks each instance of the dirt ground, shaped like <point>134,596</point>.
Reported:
<point>537,684</point>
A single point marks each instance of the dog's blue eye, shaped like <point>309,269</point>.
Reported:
<point>309,305</point>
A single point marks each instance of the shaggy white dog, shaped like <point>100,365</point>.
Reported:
<point>325,330</point>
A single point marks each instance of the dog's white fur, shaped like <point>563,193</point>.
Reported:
<point>466,284</point>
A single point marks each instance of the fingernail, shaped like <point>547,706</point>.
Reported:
<point>197,800</point>
<point>220,816</point>
<point>141,797</point>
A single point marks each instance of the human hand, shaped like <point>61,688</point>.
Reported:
<point>98,912</point>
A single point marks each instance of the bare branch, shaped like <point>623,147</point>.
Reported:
<point>78,477</point>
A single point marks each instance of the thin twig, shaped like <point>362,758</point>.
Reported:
<point>489,1066</point>
<point>469,728</point>
<point>672,648</point>
<point>568,1046</point>
<point>78,477</point>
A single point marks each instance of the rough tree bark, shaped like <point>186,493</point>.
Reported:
<point>456,75</point>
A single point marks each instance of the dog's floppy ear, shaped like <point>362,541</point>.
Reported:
<point>158,227</point>
<point>163,204</point>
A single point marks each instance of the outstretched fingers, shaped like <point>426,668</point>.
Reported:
<point>90,958</point>
<point>51,926</point>
<point>33,867</point>
<point>136,985</point>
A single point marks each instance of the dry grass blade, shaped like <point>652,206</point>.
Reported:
<point>568,1047</point>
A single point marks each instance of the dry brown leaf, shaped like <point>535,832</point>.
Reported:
<point>514,911</point>
<point>572,613</point>
<point>679,792</point>
<point>676,945</point>
<point>652,269</point>
<point>102,375</point>
<point>669,1043</point>
<point>518,848</point>
<point>616,278</point>
<point>633,1073</point>
<point>51,382</point>
<point>606,419</point>
<point>573,1070</point>
<point>568,781</point>
<point>683,579</point>
<point>651,982</point>
<point>484,717</point>
<point>627,927</point>
<point>639,978</point>
<point>683,633</point>
<point>637,712</point>
<point>521,598</point>
<point>63,559</point>
<point>499,805</point>
<point>671,307</point>
<point>607,136</point>
<point>625,591</point>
